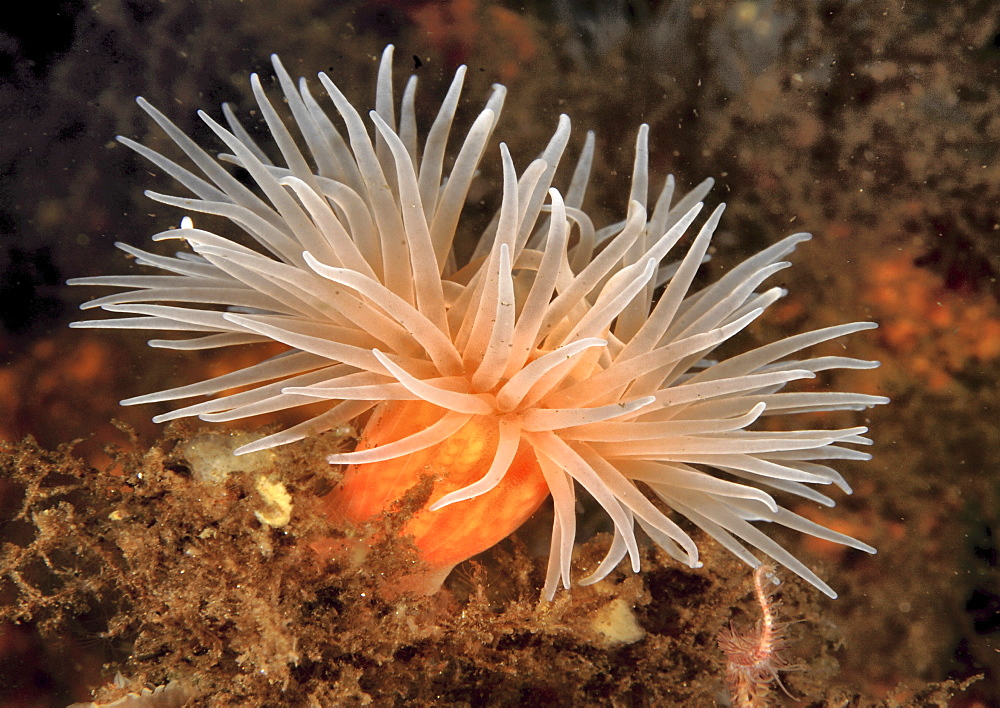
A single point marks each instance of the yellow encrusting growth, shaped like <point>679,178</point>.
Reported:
<point>615,624</point>
<point>277,503</point>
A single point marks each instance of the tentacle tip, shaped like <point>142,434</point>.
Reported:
<point>249,448</point>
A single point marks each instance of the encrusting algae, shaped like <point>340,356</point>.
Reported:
<point>172,578</point>
<point>175,579</point>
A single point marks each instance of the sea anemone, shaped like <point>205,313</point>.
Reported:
<point>556,357</point>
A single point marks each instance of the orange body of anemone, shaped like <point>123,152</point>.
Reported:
<point>456,532</point>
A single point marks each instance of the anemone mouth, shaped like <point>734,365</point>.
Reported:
<point>587,345</point>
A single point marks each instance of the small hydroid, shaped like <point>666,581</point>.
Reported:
<point>754,655</point>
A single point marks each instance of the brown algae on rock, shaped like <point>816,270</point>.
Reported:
<point>168,578</point>
<point>177,579</point>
